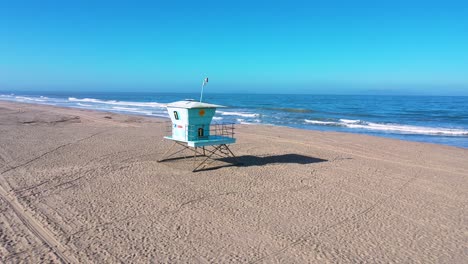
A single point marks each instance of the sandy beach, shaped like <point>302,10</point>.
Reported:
<point>78,186</point>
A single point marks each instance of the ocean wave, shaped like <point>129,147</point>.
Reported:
<point>350,121</point>
<point>393,128</point>
<point>243,122</point>
<point>249,122</point>
<point>318,122</point>
<point>28,99</point>
<point>140,108</point>
<point>114,102</point>
<point>125,108</point>
<point>34,99</point>
<point>243,114</point>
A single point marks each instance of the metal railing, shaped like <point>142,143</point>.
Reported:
<point>225,130</point>
<point>193,131</point>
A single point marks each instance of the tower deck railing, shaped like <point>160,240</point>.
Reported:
<point>223,130</point>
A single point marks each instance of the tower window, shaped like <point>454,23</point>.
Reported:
<point>201,132</point>
<point>176,115</point>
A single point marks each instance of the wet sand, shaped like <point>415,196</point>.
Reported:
<point>80,186</point>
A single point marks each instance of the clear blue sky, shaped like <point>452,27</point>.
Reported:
<point>258,46</point>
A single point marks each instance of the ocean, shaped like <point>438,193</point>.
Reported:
<point>433,119</point>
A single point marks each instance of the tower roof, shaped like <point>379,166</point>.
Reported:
<point>188,104</point>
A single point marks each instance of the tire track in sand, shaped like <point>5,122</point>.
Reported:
<point>36,228</point>
<point>61,251</point>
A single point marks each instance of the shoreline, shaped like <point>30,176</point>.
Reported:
<point>390,136</point>
<point>80,186</point>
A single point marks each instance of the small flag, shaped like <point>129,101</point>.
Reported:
<point>205,81</point>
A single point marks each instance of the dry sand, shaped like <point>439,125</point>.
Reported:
<point>84,186</point>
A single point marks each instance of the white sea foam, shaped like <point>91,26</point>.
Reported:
<point>395,128</point>
<point>125,108</point>
<point>243,114</point>
<point>243,122</point>
<point>85,105</point>
<point>114,102</point>
<point>350,121</point>
<point>132,110</point>
<point>319,122</point>
<point>34,99</point>
<point>412,129</point>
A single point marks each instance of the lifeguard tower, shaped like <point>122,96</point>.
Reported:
<point>191,129</point>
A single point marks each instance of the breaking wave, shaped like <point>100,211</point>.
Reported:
<point>242,114</point>
<point>393,128</point>
<point>114,102</point>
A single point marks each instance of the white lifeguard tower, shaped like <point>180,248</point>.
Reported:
<point>191,128</point>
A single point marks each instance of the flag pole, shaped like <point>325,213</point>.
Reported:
<point>205,81</point>
<point>201,95</point>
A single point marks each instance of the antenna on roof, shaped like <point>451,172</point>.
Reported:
<point>205,81</point>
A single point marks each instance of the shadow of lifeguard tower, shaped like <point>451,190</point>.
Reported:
<point>192,130</point>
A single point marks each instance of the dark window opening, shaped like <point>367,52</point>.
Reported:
<point>176,115</point>
<point>201,132</point>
